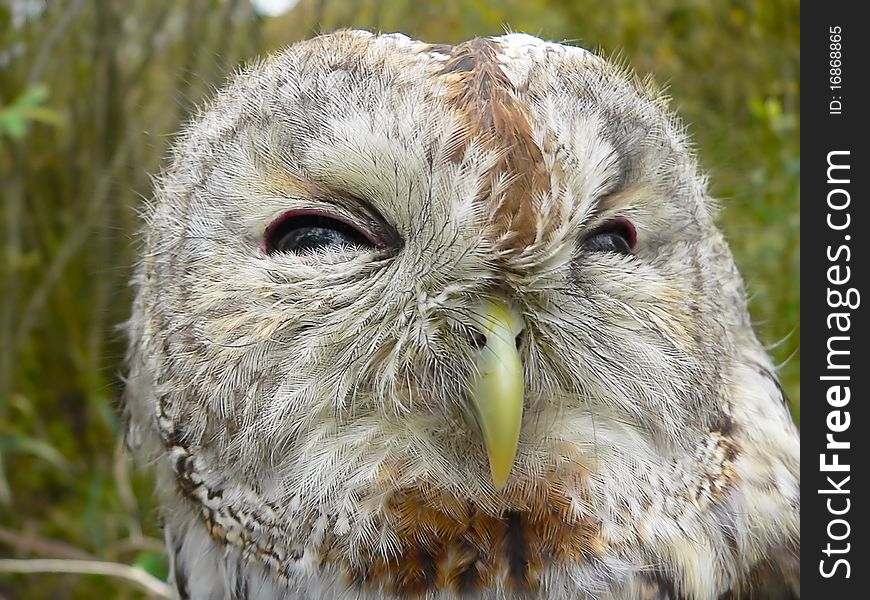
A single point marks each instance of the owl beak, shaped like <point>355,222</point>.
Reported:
<point>497,390</point>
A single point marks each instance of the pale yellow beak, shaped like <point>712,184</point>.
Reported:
<point>497,390</point>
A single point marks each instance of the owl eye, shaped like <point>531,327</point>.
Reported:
<point>617,235</point>
<point>308,231</point>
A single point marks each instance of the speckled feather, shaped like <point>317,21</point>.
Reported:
<point>304,413</point>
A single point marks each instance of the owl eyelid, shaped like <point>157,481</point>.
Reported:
<point>276,225</point>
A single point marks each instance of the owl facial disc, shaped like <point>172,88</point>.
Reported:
<point>497,391</point>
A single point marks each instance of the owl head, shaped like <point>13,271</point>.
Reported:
<point>426,321</point>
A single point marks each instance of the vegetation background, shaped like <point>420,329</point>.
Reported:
<point>90,94</point>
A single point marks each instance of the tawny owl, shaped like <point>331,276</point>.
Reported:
<point>430,321</point>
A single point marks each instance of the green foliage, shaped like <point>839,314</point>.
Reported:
<point>90,94</point>
<point>27,107</point>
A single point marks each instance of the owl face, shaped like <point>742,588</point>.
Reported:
<point>426,320</point>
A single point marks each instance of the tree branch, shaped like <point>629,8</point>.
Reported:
<point>21,541</point>
<point>133,575</point>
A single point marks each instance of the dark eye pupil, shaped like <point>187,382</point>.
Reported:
<point>309,233</point>
<point>616,236</point>
<point>607,242</point>
<point>312,238</point>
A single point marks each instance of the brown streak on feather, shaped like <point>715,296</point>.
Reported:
<point>448,543</point>
<point>487,100</point>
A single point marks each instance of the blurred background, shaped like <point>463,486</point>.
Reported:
<point>91,92</point>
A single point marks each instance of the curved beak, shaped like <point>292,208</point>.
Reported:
<point>496,393</point>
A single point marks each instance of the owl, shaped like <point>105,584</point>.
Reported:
<point>425,321</point>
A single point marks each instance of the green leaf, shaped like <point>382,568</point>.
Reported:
<point>153,564</point>
<point>37,448</point>
<point>12,124</point>
<point>32,96</point>
<point>27,107</point>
